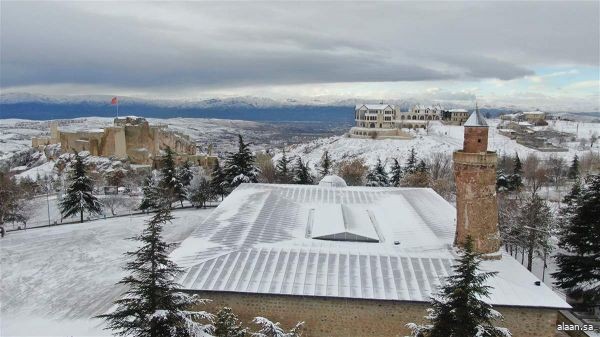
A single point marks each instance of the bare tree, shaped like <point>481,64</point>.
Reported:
<point>114,202</point>
<point>536,224</point>
<point>440,166</point>
<point>593,139</point>
<point>352,171</point>
<point>534,172</point>
<point>268,174</point>
<point>557,169</point>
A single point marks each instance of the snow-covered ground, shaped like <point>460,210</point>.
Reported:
<point>440,138</point>
<point>53,280</point>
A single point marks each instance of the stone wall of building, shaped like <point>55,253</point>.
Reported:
<point>130,137</point>
<point>336,317</point>
<point>476,139</point>
<point>476,203</point>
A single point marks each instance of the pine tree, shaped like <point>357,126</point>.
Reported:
<point>200,191</point>
<point>170,183</point>
<point>570,202</point>
<point>517,166</point>
<point>282,169</point>
<point>302,173</point>
<point>80,193</point>
<point>536,224</point>
<point>422,167</point>
<point>227,324</point>
<point>218,181</point>
<point>458,310</point>
<point>574,168</point>
<point>396,173</point>
<point>270,329</point>
<point>578,262</point>
<point>240,166</point>
<point>151,194</point>
<point>151,306</point>
<point>377,176</point>
<point>325,165</point>
<point>515,181</point>
<point>411,163</point>
<point>185,174</point>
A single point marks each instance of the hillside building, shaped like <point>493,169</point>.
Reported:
<point>387,121</point>
<point>359,261</point>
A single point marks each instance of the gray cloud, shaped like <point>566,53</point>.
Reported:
<point>220,45</point>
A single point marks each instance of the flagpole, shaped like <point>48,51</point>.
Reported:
<point>117,108</point>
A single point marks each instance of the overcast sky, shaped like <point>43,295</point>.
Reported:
<point>444,50</point>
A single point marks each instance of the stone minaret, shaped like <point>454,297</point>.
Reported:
<point>475,176</point>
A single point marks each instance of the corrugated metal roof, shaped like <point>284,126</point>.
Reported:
<point>258,241</point>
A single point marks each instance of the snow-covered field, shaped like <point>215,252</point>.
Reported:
<point>53,280</point>
<point>440,138</point>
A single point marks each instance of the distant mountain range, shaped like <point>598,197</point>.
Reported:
<point>42,107</point>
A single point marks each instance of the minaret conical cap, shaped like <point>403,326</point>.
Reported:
<point>476,119</point>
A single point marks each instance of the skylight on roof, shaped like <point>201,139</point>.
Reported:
<point>341,223</point>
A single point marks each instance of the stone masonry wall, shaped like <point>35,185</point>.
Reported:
<point>476,139</point>
<point>335,317</point>
<point>476,203</point>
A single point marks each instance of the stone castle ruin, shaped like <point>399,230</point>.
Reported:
<point>131,138</point>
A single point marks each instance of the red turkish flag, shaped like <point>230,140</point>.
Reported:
<point>114,101</point>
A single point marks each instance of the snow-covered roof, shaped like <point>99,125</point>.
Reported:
<point>476,119</point>
<point>373,106</point>
<point>458,110</point>
<point>332,181</point>
<point>533,113</point>
<point>354,242</point>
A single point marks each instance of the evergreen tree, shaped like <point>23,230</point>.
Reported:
<point>218,181</point>
<point>422,167</point>
<point>240,166</point>
<point>515,181</point>
<point>200,191</point>
<point>377,176</point>
<point>579,263</point>
<point>536,224</point>
<point>574,168</point>
<point>502,182</point>
<point>411,163</point>
<point>282,169</point>
<point>270,329</point>
<point>170,183</point>
<point>12,203</point>
<point>185,174</point>
<point>151,194</point>
<point>227,324</point>
<point>151,306</point>
<point>517,166</point>
<point>325,165</point>
<point>570,202</point>
<point>458,310</point>
<point>80,193</point>
<point>302,173</point>
<point>396,173</point>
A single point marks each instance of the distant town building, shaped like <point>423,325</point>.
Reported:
<point>131,138</point>
<point>457,116</point>
<point>359,261</point>
<point>532,117</point>
<point>535,117</point>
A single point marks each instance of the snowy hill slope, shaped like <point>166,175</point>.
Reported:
<point>440,138</point>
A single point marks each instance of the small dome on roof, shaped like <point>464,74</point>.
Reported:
<point>332,181</point>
